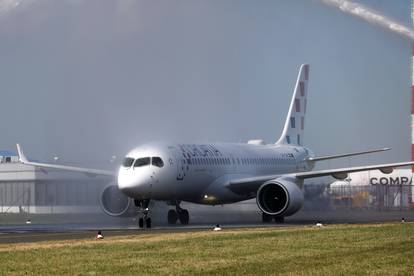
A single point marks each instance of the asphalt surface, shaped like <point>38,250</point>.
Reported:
<point>27,235</point>
<point>49,228</point>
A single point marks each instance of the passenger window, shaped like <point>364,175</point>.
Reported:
<point>140,162</point>
<point>127,162</point>
<point>157,161</point>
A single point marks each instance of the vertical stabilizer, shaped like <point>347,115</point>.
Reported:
<point>293,131</point>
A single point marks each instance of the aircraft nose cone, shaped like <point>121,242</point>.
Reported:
<point>132,183</point>
<point>124,179</point>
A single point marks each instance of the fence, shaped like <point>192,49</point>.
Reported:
<point>373,197</point>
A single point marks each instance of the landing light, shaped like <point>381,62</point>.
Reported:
<point>209,198</point>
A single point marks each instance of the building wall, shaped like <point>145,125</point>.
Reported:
<point>27,189</point>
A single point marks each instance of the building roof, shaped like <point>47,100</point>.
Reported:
<point>7,153</point>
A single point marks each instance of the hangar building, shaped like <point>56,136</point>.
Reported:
<point>26,189</point>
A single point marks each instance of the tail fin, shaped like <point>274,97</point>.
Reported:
<point>293,131</point>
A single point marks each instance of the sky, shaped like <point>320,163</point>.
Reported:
<point>88,79</point>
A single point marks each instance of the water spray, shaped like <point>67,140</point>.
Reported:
<point>371,16</point>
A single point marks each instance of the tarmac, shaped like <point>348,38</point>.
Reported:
<point>66,227</point>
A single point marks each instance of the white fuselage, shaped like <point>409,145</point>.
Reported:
<point>199,173</point>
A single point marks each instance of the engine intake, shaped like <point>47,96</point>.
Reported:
<point>279,197</point>
<point>113,202</point>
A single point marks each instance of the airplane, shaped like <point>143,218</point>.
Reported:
<point>224,173</point>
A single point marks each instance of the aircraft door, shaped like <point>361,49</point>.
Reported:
<point>233,162</point>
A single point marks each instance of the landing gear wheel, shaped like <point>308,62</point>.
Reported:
<point>172,217</point>
<point>148,222</point>
<point>143,212</point>
<point>279,219</point>
<point>266,218</point>
<point>184,217</point>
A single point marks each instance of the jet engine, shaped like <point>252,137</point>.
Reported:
<point>113,202</point>
<point>279,197</point>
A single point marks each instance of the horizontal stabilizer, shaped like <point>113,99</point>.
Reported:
<point>327,157</point>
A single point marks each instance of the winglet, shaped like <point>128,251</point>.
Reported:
<point>22,157</point>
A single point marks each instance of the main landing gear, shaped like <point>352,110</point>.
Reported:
<point>178,214</point>
<point>266,218</point>
<point>143,213</point>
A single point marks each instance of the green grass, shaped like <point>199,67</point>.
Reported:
<point>380,249</point>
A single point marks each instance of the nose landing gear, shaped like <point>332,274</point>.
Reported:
<point>143,211</point>
<point>147,221</point>
<point>178,214</point>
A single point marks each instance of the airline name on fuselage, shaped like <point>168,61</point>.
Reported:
<point>402,180</point>
<point>199,151</point>
<point>189,151</point>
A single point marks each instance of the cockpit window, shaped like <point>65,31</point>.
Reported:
<point>128,162</point>
<point>157,161</point>
<point>142,162</point>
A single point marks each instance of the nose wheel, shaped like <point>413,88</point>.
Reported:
<point>178,214</point>
<point>146,221</point>
<point>143,213</point>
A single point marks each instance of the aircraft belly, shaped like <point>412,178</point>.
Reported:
<point>194,185</point>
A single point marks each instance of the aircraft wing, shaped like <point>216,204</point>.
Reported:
<point>251,184</point>
<point>327,157</point>
<point>343,172</point>
<point>89,172</point>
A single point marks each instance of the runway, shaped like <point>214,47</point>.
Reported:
<point>51,233</point>
<point>52,228</point>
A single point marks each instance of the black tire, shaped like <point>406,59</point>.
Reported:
<point>141,223</point>
<point>184,217</point>
<point>148,222</point>
<point>172,217</point>
<point>266,218</point>
<point>279,219</point>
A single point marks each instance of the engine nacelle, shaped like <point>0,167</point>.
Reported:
<point>113,202</point>
<point>279,197</point>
